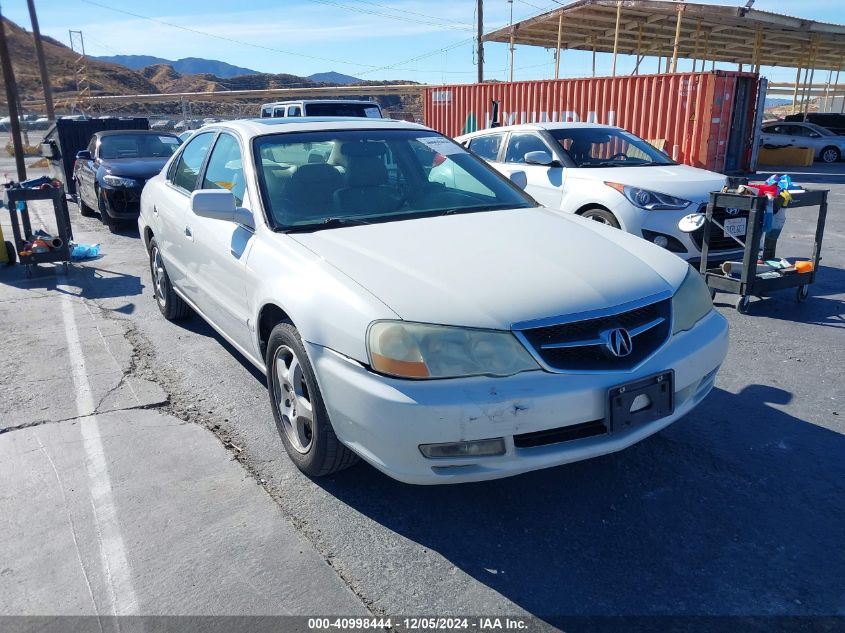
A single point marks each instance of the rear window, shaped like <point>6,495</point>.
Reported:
<point>343,109</point>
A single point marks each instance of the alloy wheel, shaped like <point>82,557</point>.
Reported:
<point>293,400</point>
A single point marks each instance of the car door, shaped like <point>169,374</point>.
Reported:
<point>218,253</point>
<point>172,211</point>
<point>86,175</point>
<point>545,182</point>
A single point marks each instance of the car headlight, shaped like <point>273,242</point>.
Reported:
<point>419,350</point>
<point>119,181</point>
<point>691,302</point>
<point>649,200</point>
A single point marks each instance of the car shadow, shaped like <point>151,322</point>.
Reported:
<point>197,325</point>
<point>736,509</point>
<point>85,281</point>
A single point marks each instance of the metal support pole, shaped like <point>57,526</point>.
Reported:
<point>510,74</point>
<point>594,55</point>
<point>12,102</point>
<point>795,91</point>
<point>615,38</point>
<point>480,34</point>
<point>557,55</point>
<point>758,42</point>
<point>677,38</point>
<point>42,64</point>
<point>639,47</point>
<point>695,52</point>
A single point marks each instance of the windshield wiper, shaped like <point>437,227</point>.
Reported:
<point>328,223</point>
<point>331,222</point>
<point>489,207</point>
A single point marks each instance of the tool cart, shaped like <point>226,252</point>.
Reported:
<point>57,249</point>
<point>750,282</point>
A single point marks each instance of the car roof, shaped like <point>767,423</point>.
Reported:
<point>118,132</point>
<point>543,125</point>
<point>260,127</point>
<point>298,101</point>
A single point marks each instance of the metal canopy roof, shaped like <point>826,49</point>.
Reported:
<point>707,31</point>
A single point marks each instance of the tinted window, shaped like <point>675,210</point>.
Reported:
<point>266,112</point>
<point>343,109</point>
<point>374,176</point>
<point>487,146</point>
<point>294,111</point>
<point>279,112</point>
<point>607,147</point>
<point>225,169</point>
<point>138,146</point>
<point>520,144</point>
<point>188,167</point>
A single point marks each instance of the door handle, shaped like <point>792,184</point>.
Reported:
<point>188,233</point>
<point>155,210</point>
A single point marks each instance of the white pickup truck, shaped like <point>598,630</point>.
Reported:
<point>322,107</point>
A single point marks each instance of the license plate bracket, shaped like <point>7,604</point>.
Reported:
<point>656,391</point>
<point>735,226</point>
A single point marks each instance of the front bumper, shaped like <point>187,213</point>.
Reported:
<point>384,420</point>
<point>121,203</point>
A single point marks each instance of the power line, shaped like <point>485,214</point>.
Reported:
<point>393,17</point>
<point>227,39</point>
<point>428,17</point>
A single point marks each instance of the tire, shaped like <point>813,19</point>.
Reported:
<point>712,294</point>
<point>830,154</point>
<point>105,218</point>
<point>84,209</point>
<point>802,293</point>
<point>171,305</point>
<point>298,409</point>
<point>601,215</point>
<point>11,253</point>
<point>742,304</point>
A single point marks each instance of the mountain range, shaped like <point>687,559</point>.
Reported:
<point>201,66</point>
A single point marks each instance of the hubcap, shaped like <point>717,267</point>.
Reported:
<point>293,399</point>
<point>598,218</point>
<point>159,276</point>
<point>829,156</point>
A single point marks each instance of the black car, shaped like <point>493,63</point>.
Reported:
<point>112,171</point>
<point>832,121</point>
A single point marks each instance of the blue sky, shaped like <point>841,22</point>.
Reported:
<point>423,40</point>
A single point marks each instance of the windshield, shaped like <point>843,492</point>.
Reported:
<point>343,109</point>
<point>608,147</point>
<point>324,179</point>
<point>138,145</point>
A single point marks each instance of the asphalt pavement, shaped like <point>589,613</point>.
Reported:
<point>734,510</point>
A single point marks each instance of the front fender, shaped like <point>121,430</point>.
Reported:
<point>327,307</point>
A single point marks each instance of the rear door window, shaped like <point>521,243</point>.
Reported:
<point>521,144</point>
<point>294,111</point>
<point>190,162</point>
<point>487,146</point>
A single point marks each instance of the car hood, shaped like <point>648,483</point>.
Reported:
<point>682,181</point>
<point>142,168</point>
<point>495,269</point>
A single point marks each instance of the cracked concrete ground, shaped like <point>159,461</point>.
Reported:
<point>734,510</point>
<point>109,505</point>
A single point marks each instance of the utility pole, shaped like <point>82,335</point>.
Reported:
<point>12,100</point>
<point>42,62</point>
<point>480,13</point>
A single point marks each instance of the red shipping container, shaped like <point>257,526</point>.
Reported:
<point>703,119</point>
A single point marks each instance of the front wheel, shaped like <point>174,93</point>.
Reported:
<point>830,155</point>
<point>601,215</point>
<point>84,209</point>
<point>298,408</point>
<point>108,221</point>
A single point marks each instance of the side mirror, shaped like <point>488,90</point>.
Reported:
<point>540,158</point>
<point>84,155</point>
<point>519,178</point>
<point>219,204</point>
<point>691,223</point>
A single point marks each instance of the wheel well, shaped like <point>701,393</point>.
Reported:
<point>591,205</point>
<point>270,316</point>
<point>148,235</point>
<point>833,147</point>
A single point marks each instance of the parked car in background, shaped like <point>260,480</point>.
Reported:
<point>322,107</point>
<point>442,332</point>
<point>609,175</point>
<point>110,174</point>
<point>829,120</point>
<point>826,145</point>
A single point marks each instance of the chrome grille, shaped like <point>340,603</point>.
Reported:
<point>583,345</point>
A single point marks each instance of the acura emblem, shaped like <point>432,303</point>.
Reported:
<point>619,342</point>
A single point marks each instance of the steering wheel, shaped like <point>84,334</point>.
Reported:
<point>622,154</point>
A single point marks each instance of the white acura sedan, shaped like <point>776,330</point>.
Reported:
<point>441,333</point>
<point>609,175</point>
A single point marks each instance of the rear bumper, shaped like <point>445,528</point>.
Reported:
<point>385,420</point>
